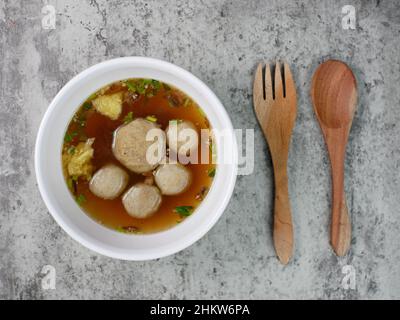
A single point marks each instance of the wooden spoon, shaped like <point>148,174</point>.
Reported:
<point>334,95</point>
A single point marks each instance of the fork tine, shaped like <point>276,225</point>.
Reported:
<point>268,83</point>
<point>258,87</point>
<point>290,88</point>
<point>278,82</point>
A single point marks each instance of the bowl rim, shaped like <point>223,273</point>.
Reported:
<point>82,238</point>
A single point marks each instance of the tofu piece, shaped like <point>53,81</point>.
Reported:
<point>79,163</point>
<point>109,105</point>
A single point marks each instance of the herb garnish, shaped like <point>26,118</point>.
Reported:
<point>211,172</point>
<point>156,84</point>
<point>87,105</point>
<point>70,136</point>
<point>141,86</point>
<point>131,86</point>
<point>151,118</point>
<point>184,211</point>
<point>70,183</point>
<point>128,118</point>
<point>80,199</point>
<point>148,87</point>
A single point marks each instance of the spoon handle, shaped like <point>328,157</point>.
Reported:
<point>340,224</point>
<point>283,228</point>
<point>340,227</point>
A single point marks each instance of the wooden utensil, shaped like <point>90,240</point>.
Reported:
<point>334,96</point>
<point>275,106</point>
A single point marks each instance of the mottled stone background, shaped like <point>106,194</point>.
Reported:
<point>221,43</point>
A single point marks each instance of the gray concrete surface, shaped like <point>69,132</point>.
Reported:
<point>220,42</point>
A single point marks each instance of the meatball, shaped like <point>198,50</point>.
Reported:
<point>172,179</point>
<point>182,137</point>
<point>130,146</point>
<point>142,200</point>
<point>109,182</point>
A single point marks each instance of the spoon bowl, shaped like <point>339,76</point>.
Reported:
<point>334,93</point>
<point>334,96</point>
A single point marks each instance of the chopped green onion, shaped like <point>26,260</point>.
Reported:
<point>131,86</point>
<point>149,87</point>
<point>128,118</point>
<point>141,87</point>
<point>70,136</point>
<point>156,84</point>
<point>80,199</point>
<point>184,211</point>
<point>70,183</point>
<point>147,81</point>
<point>87,105</point>
<point>211,173</point>
<point>151,118</point>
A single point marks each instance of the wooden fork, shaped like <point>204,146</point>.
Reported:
<point>275,105</point>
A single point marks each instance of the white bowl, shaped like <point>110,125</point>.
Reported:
<point>70,216</point>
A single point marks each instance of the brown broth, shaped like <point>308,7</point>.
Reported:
<point>167,104</point>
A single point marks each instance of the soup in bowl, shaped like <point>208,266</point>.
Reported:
<point>104,156</point>
<point>129,160</point>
